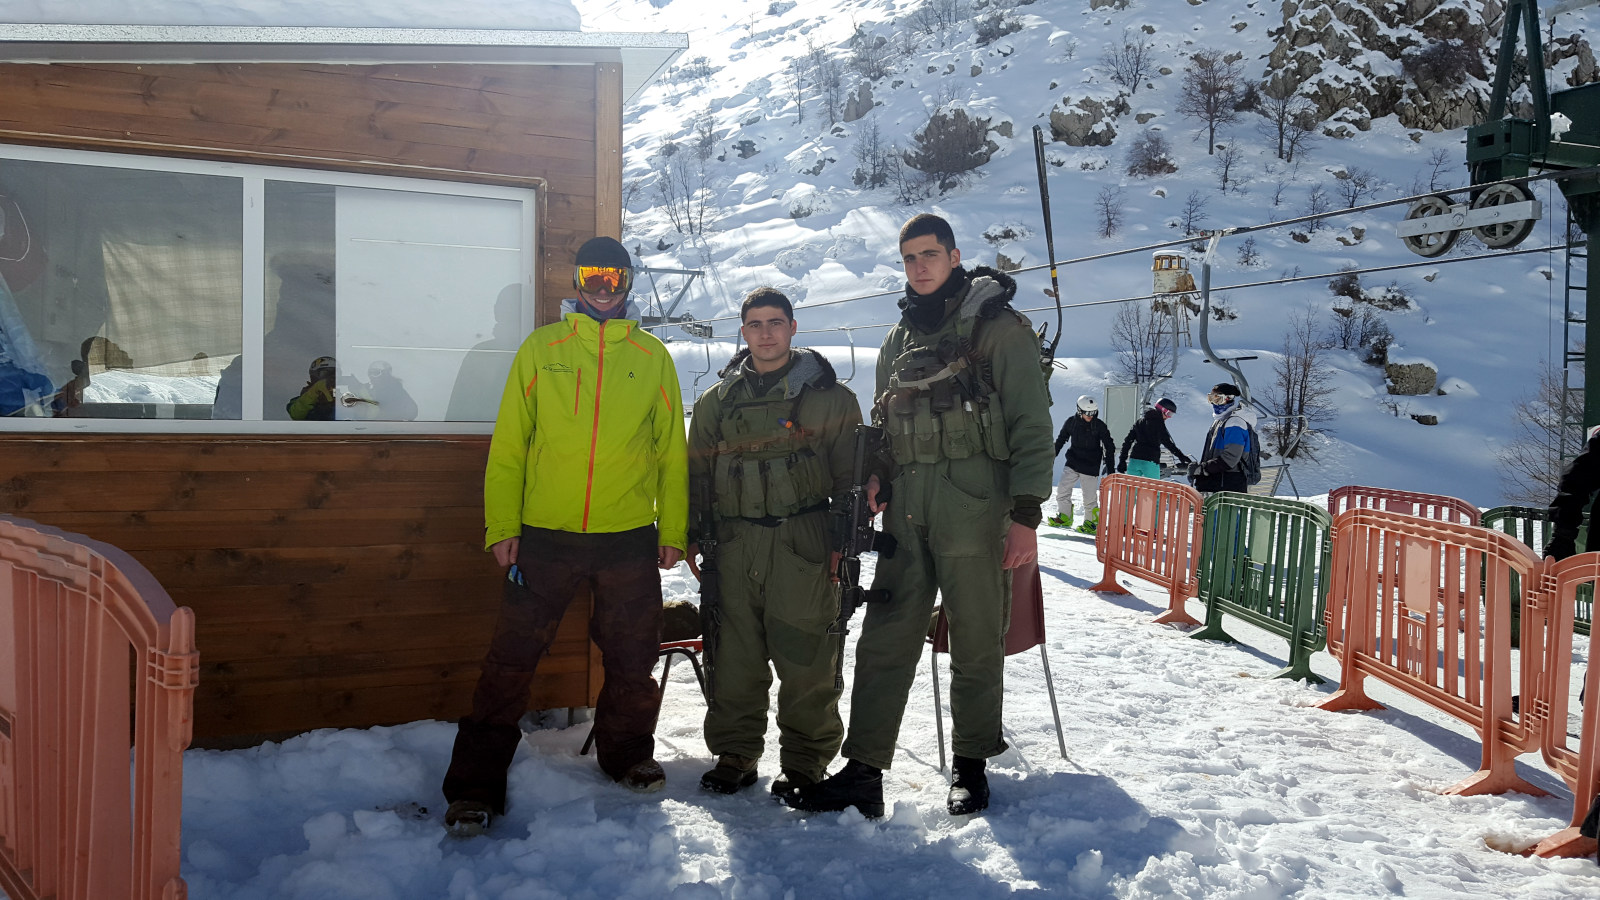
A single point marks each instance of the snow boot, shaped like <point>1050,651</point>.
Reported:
<point>731,774</point>
<point>1061,521</point>
<point>969,787</point>
<point>644,778</point>
<point>1091,522</point>
<point>789,782</point>
<point>857,784</point>
<point>468,818</point>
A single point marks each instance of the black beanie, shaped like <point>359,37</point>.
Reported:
<point>1226,389</point>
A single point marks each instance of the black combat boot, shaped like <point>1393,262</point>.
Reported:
<point>969,787</point>
<point>857,784</point>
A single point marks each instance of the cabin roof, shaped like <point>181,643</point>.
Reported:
<point>643,56</point>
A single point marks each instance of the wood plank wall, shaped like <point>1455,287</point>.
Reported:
<point>533,121</point>
<point>337,582</point>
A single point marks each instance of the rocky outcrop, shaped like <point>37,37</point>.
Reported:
<point>1340,55</point>
<point>1087,122</point>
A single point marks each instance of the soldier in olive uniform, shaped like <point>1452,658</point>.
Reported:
<point>964,405</point>
<point>776,436</point>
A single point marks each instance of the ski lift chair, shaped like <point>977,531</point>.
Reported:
<point>1025,632</point>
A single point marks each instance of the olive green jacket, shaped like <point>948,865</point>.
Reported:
<point>827,410</point>
<point>1006,345</point>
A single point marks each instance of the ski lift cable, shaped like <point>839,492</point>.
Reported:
<point>1229,232</point>
<point>1253,284</point>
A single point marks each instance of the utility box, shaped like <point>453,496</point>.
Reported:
<point>1121,410</point>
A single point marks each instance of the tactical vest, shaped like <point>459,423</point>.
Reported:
<point>765,465</point>
<point>939,403</point>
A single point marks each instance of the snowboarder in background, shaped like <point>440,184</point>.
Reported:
<point>1222,462</point>
<point>1141,449</point>
<point>1090,455</point>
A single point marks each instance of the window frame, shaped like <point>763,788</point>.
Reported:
<point>252,179</point>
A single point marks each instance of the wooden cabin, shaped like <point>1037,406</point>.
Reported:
<point>198,222</point>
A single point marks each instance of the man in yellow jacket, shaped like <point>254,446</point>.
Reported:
<point>586,486</point>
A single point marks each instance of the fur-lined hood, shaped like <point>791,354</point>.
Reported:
<point>810,369</point>
<point>988,291</point>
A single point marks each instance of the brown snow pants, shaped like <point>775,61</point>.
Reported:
<point>620,571</point>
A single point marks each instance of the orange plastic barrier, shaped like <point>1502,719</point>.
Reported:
<point>83,627</point>
<point>1425,606</point>
<point>1549,613</point>
<point>1429,506</point>
<point>1151,529</point>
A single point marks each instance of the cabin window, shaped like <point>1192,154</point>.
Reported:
<point>137,292</point>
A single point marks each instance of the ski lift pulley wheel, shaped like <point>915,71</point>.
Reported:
<point>1500,235</point>
<point>1435,243</point>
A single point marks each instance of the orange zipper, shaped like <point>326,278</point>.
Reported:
<point>594,434</point>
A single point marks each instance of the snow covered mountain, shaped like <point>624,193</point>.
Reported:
<point>780,150</point>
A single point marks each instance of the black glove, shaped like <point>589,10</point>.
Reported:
<point>1194,471</point>
<point>1108,468</point>
<point>1122,467</point>
<point>1058,448</point>
<point>1560,547</point>
<point>1213,466</point>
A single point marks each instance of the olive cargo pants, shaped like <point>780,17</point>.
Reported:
<point>620,571</point>
<point>950,519</point>
<point>777,605</point>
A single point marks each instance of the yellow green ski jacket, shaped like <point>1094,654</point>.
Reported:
<point>590,435</point>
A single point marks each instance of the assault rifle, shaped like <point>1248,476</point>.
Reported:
<point>710,587</point>
<point>855,536</point>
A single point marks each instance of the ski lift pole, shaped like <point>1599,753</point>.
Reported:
<point>1047,352</point>
<point>1213,238</point>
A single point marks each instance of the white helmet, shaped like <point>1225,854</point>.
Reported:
<point>1087,405</point>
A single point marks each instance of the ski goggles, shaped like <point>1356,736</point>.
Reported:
<point>1165,413</point>
<point>1217,399</point>
<point>604,279</point>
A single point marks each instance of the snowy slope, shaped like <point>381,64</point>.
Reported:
<point>1191,773</point>
<point>1487,326</point>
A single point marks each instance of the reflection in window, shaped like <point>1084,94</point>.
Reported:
<point>120,290</point>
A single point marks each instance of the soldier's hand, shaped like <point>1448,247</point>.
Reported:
<point>1022,546</point>
<point>667,557</point>
<point>690,556</point>
<point>833,566</point>
<point>872,495</point>
<point>505,552</point>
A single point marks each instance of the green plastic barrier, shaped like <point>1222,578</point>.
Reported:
<point>1265,560</point>
<point>1531,525</point>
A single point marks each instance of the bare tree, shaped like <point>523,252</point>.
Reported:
<point>1108,204</point>
<point>1143,342</point>
<point>1302,389</point>
<point>872,155</point>
<point>1440,160</point>
<point>1132,62</point>
<point>871,56</point>
<point>1301,134</point>
<point>1531,460</point>
<point>937,18</point>
<point>797,74</point>
<point>1317,203</point>
<point>1358,184</point>
<point>1149,155</point>
<point>704,143</point>
<point>1249,253</point>
<point>683,189</point>
<point>1210,92</point>
<point>1228,163</point>
<point>1286,116</point>
<point>1193,214</point>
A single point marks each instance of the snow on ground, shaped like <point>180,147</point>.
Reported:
<point>1191,773</point>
